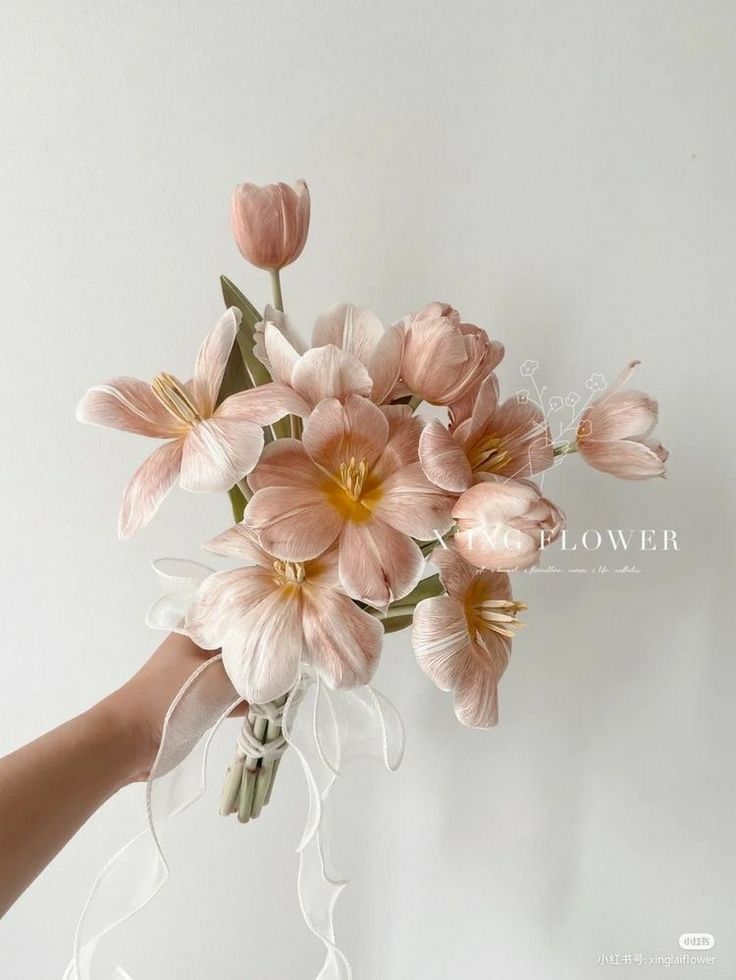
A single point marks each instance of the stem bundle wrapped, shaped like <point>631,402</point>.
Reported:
<point>250,778</point>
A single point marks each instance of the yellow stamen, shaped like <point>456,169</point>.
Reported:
<point>488,455</point>
<point>291,572</point>
<point>498,615</point>
<point>175,398</point>
<point>352,477</point>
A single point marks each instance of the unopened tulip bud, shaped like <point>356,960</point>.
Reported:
<point>271,223</point>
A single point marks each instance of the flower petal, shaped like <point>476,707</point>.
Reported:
<point>263,405</point>
<point>282,357</point>
<point>627,459</point>
<point>476,689</point>
<point>130,405</point>
<point>410,503</point>
<point>443,460</point>
<point>240,541</point>
<point>148,486</point>
<point>218,453</point>
<point>377,563</point>
<point>293,523</point>
<point>351,328</point>
<point>622,415</point>
<point>335,433</point>
<point>283,324</point>
<point>285,463</point>
<point>344,642</point>
<point>328,372</point>
<point>439,637</point>
<point>456,574</point>
<point>384,365</point>
<point>402,448</point>
<point>212,358</point>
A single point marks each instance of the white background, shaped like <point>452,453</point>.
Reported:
<point>564,173</point>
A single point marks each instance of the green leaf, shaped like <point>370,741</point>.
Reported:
<point>426,589</point>
<point>237,502</point>
<point>399,623</point>
<point>245,338</point>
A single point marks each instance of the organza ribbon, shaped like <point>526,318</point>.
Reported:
<point>327,729</point>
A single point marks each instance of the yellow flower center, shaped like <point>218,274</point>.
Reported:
<point>497,615</point>
<point>289,572</point>
<point>352,477</point>
<point>488,455</point>
<point>175,398</point>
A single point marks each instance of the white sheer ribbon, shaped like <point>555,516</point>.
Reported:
<point>327,729</point>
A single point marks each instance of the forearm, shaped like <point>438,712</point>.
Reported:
<point>50,787</point>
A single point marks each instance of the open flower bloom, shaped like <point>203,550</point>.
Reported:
<point>444,359</point>
<point>271,223</point>
<point>613,433</point>
<point>511,440</point>
<point>272,616</point>
<point>355,479</point>
<point>351,354</point>
<point>209,447</point>
<point>462,640</point>
<point>503,524</point>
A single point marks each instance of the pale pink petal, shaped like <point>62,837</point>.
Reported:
<point>402,448</point>
<point>443,460</point>
<point>222,601</point>
<point>328,372</point>
<point>293,523</point>
<point>148,486</point>
<point>351,328</point>
<point>285,463</point>
<point>324,569</point>
<point>476,689</point>
<point>335,433</point>
<point>212,358</point>
<point>377,563</point>
<point>494,501</point>
<point>484,405</point>
<point>282,322</point>
<point>240,541</point>
<point>500,547</point>
<point>439,638</point>
<point>218,453</point>
<point>343,641</point>
<point>627,459</point>
<point>526,438</point>
<point>457,575</point>
<point>384,365</point>
<point>263,405</point>
<point>130,405</point>
<point>410,503</point>
<point>435,354</point>
<point>282,357</point>
<point>623,415</point>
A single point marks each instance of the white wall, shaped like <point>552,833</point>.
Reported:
<point>564,173</point>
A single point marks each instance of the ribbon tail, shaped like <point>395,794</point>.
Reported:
<point>138,871</point>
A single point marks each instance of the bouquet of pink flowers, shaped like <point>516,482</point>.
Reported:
<point>342,493</point>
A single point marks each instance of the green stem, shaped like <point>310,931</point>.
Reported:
<point>393,612</point>
<point>565,448</point>
<point>278,296</point>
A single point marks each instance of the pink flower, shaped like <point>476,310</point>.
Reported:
<point>210,447</point>
<point>613,433</point>
<point>444,359</point>
<point>503,524</point>
<point>511,440</point>
<point>462,640</point>
<point>355,480</point>
<point>271,617</point>
<point>270,223</point>
<point>351,354</point>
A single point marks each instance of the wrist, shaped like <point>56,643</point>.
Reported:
<point>120,726</point>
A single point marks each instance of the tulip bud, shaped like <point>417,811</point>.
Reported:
<point>445,359</point>
<point>271,223</point>
<point>614,433</point>
<point>503,524</point>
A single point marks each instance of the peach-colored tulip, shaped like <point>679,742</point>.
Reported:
<point>273,616</point>
<point>271,223</point>
<point>502,524</point>
<point>512,439</point>
<point>613,433</point>
<point>210,447</point>
<point>443,358</point>
<point>355,479</point>
<point>351,354</point>
<point>462,640</point>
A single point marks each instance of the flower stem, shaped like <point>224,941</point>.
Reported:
<point>565,448</point>
<point>278,297</point>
